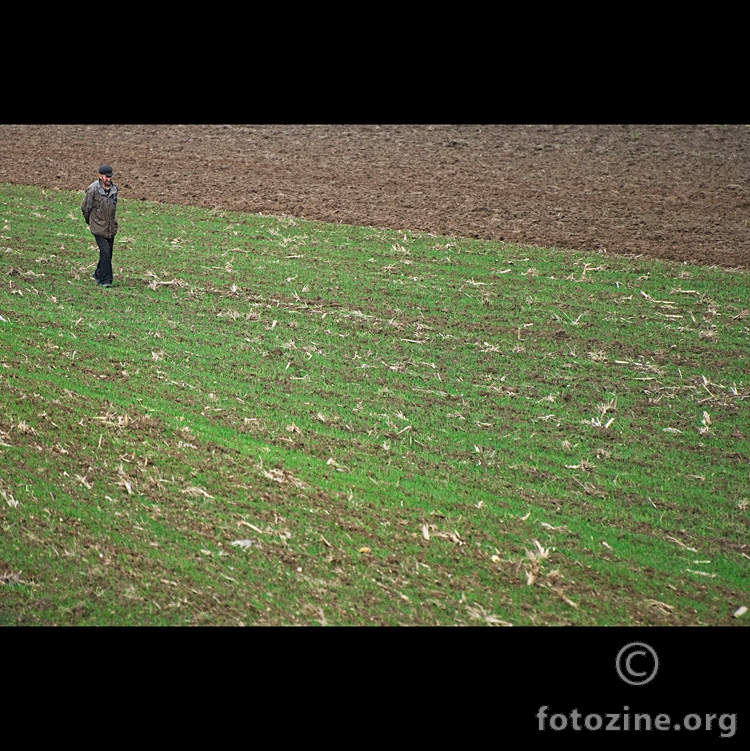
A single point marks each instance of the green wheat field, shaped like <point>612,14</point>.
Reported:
<point>271,421</point>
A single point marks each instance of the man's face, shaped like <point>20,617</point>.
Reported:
<point>106,180</point>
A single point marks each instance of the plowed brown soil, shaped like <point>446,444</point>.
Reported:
<point>677,192</point>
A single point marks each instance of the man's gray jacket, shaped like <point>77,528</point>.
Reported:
<point>99,209</point>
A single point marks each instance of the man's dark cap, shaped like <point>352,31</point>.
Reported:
<point>105,169</point>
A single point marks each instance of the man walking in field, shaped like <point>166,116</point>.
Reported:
<point>99,209</point>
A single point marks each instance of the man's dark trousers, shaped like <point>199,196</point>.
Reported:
<point>104,269</point>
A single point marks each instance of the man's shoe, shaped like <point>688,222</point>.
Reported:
<point>95,277</point>
<point>104,284</point>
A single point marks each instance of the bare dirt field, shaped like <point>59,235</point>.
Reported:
<point>677,192</point>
